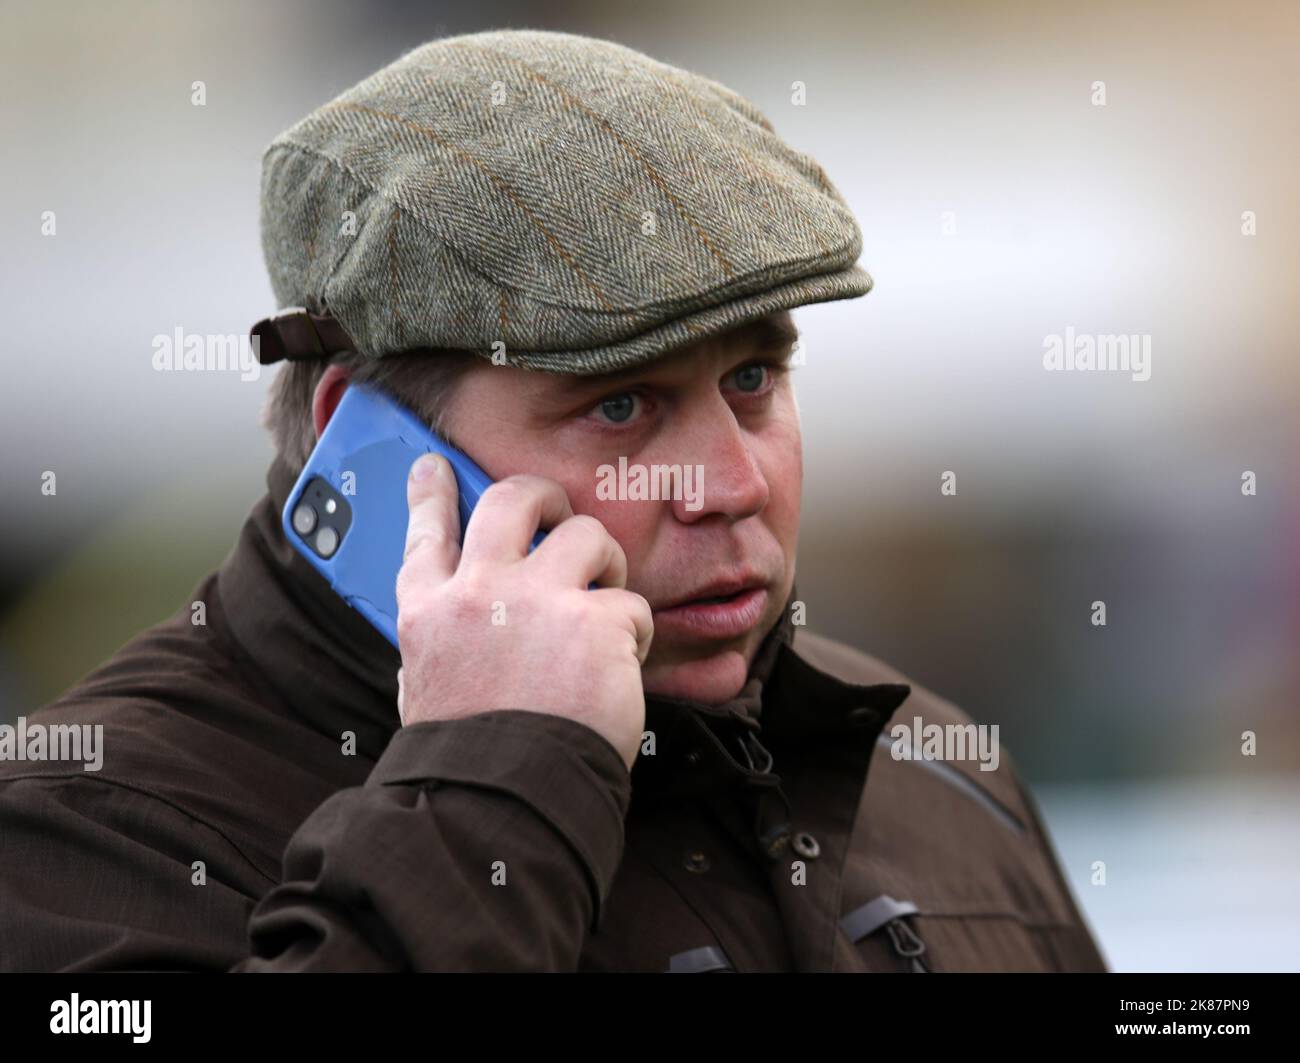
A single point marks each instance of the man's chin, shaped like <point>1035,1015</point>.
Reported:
<point>711,680</point>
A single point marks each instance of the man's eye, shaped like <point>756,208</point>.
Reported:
<point>751,377</point>
<point>618,408</point>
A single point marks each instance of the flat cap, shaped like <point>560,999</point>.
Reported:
<point>567,203</point>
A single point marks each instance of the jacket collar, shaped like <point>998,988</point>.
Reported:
<point>326,665</point>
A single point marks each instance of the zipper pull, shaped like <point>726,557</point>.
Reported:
<point>907,945</point>
<point>888,913</point>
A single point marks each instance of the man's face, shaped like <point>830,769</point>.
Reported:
<point>725,404</point>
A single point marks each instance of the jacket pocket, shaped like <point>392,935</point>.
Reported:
<point>897,935</point>
<point>985,941</point>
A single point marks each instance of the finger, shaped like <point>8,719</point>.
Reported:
<point>636,614</point>
<point>509,514</point>
<point>580,551</point>
<point>433,526</point>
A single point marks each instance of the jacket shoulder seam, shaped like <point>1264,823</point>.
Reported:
<point>64,777</point>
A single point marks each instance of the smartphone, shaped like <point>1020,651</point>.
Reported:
<point>347,512</point>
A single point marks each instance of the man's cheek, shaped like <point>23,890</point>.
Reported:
<point>584,493</point>
<point>782,465</point>
<point>622,519</point>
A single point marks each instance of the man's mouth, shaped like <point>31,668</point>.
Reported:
<point>719,611</point>
<point>715,600</point>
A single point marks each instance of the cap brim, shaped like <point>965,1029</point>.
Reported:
<point>701,324</point>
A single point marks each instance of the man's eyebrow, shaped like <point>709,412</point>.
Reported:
<point>774,334</point>
<point>777,332</point>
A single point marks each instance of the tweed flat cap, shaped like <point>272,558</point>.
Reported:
<point>566,202</point>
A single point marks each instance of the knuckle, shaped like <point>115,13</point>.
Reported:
<point>589,528</point>
<point>412,619</point>
<point>632,603</point>
<point>507,492</point>
<point>466,598</point>
<point>519,489</point>
<point>636,610</point>
<point>586,522</point>
<point>427,537</point>
<point>405,591</point>
<point>575,613</point>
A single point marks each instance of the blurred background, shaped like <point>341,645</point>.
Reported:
<point>999,205</point>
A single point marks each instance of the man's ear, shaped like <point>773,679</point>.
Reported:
<point>333,382</point>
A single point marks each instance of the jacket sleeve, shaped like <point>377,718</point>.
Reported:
<point>485,843</point>
<point>482,844</point>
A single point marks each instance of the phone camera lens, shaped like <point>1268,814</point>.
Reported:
<point>327,541</point>
<point>304,519</point>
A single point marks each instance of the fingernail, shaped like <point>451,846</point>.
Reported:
<point>425,466</point>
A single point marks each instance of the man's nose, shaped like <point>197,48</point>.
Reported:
<point>728,479</point>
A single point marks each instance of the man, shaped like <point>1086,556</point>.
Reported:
<point>569,258</point>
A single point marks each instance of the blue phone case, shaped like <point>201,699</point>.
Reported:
<point>375,439</point>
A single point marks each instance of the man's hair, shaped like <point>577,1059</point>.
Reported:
<point>423,381</point>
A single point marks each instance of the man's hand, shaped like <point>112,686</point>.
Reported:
<point>494,627</point>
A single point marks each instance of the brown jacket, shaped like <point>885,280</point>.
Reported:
<point>235,826</point>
